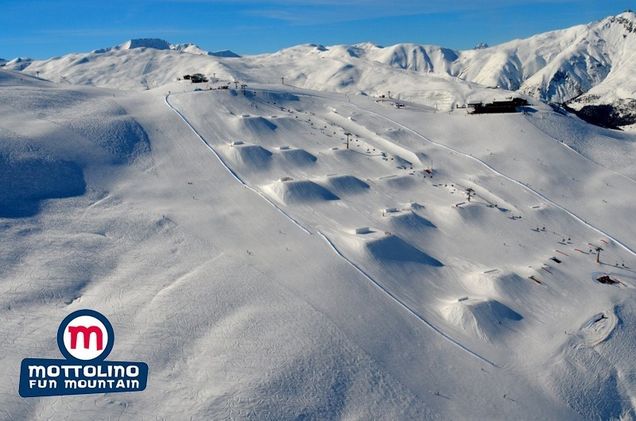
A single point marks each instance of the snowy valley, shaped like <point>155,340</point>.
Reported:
<point>304,248</point>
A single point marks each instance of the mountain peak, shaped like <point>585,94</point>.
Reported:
<point>160,44</point>
<point>189,48</point>
<point>627,14</point>
<point>367,45</point>
<point>627,19</point>
<point>156,43</point>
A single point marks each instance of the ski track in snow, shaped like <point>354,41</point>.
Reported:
<point>331,245</point>
<point>403,305</point>
<point>229,170</point>
<point>512,180</point>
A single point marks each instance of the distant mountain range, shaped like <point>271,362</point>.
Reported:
<point>588,68</point>
<point>159,44</point>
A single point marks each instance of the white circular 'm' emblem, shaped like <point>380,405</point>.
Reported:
<point>86,338</point>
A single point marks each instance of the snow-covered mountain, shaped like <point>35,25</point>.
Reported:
<point>264,270</point>
<point>159,44</point>
<point>589,64</point>
<point>18,63</point>
<point>560,65</point>
<point>305,249</point>
<point>143,64</point>
<point>585,64</point>
<point>555,66</point>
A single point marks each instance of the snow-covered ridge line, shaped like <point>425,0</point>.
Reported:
<point>584,65</point>
<point>160,44</point>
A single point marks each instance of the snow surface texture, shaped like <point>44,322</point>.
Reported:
<point>265,271</point>
<point>585,65</point>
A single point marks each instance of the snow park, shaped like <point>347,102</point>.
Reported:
<point>360,225</point>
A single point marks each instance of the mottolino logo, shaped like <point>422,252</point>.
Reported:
<point>85,338</point>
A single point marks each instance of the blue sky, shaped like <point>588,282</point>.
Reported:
<point>45,28</point>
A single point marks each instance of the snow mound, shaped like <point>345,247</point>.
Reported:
<point>409,221</point>
<point>299,191</point>
<point>122,138</point>
<point>347,156</point>
<point>257,124</point>
<point>472,211</point>
<point>391,248</point>
<point>346,184</point>
<point>482,318</point>
<point>399,182</point>
<point>249,156</point>
<point>298,157</point>
<point>501,284</point>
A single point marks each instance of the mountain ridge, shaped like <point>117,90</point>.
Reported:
<point>584,65</point>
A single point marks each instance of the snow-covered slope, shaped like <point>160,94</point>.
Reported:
<point>136,64</point>
<point>18,63</point>
<point>555,66</point>
<point>265,271</point>
<point>560,65</point>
